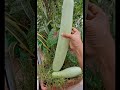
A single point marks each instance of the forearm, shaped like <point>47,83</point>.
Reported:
<point>107,54</point>
<point>106,62</point>
<point>79,54</point>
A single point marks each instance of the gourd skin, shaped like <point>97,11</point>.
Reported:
<point>68,73</point>
<point>66,26</point>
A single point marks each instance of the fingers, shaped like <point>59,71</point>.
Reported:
<point>93,8</point>
<point>74,29</point>
<point>72,32</point>
<point>67,35</point>
<point>43,87</point>
<point>90,15</point>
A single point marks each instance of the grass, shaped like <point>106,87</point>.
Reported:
<point>48,25</point>
<point>44,72</point>
<point>93,80</point>
<point>20,34</point>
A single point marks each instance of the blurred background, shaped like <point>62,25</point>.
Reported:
<point>20,47</point>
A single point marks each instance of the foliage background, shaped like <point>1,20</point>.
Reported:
<point>48,22</point>
<point>50,14</point>
<point>48,26</point>
<point>20,35</point>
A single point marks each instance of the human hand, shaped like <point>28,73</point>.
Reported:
<point>97,29</point>
<point>43,86</point>
<point>75,40</point>
<point>76,44</point>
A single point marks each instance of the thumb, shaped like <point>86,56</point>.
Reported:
<point>67,35</point>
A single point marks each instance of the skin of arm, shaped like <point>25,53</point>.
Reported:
<point>106,62</point>
<point>76,44</point>
<point>100,43</point>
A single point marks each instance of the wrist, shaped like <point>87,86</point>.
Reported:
<point>79,54</point>
<point>79,48</point>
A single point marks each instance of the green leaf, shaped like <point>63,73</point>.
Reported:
<point>15,7</point>
<point>41,5</point>
<point>28,9</point>
<point>71,57</point>
<point>15,30</point>
<point>31,40</point>
<point>52,38</point>
<point>11,49</point>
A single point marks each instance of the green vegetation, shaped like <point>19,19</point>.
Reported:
<point>48,26</point>
<point>20,34</point>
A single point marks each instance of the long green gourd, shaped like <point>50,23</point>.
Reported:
<point>67,73</point>
<point>66,26</point>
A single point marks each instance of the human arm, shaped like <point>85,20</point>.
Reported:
<point>99,43</point>
<point>76,44</point>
